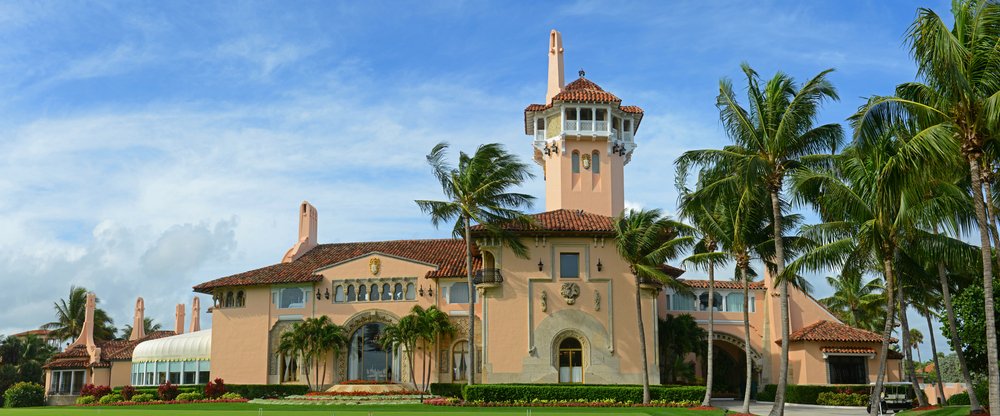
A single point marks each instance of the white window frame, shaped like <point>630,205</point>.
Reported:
<point>277,295</point>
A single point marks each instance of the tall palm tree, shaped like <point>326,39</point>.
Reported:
<point>645,240</point>
<point>404,335</point>
<point>314,341</point>
<point>770,139</point>
<point>856,301</point>
<point>432,323</point>
<point>957,98</point>
<point>917,338</point>
<point>292,343</point>
<point>478,191</point>
<point>149,326</point>
<point>70,314</point>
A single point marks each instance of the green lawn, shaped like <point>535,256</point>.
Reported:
<point>241,409</point>
<point>947,411</point>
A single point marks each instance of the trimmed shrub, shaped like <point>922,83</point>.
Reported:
<point>507,393</point>
<point>230,396</point>
<point>829,398</point>
<point>96,392</point>
<point>111,398</point>
<point>215,389</point>
<point>142,398</point>
<point>127,392</point>
<point>959,399</point>
<point>447,389</point>
<point>167,391</point>
<point>24,394</point>
<point>86,400</point>
<point>187,388</point>
<point>260,391</point>
<point>809,393</point>
<point>767,395</point>
<point>187,397</point>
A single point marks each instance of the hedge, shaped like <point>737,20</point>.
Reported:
<point>447,389</point>
<point>248,391</point>
<point>24,394</point>
<point>506,393</point>
<point>829,398</point>
<point>187,388</point>
<point>809,393</point>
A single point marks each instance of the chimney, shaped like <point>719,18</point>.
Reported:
<point>195,315</point>
<point>138,322</point>
<point>86,337</point>
<point>179,319</point>
<point>556,76</point>
<point>307,233</point>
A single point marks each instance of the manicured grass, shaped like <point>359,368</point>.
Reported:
<point>946,411</point>
<point>247,409</point>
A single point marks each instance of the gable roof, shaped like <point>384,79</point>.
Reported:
<point>834,331</point>
<point>447,254</point>
<point>111,350</point>
<point>562,221</point>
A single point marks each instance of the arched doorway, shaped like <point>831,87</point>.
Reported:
<point>570,361</point>
<point>366,359</point>
<point>729,366</point>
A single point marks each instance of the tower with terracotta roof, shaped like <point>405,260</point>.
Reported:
<point>583,138</point>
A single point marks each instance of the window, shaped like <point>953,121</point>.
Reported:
<point>459,293</point>
<point>540,125</point>
<point>586,114</point>
<point>229,300</point>
<point>628,125</point>
<point>289,368</point>
<point>386,292</point>
<point>460,361</point>
<point>362,293</point>
<point>682,302</point>
<point>576,162</point>
<point>595,162</point>
<point>569,265</point>
<point>291,297</point>
<point>67,381</point>
<point>411,292</point>
<point>846,369</point>
<point>373,295</point>
<point>570,113</point>
<point>338,294</point>
<point>398,292</point>
<point>716,302</point>
<point>351,295</point>
<point>240,299</point>
<point>602,114</point>
<point>570,361</point>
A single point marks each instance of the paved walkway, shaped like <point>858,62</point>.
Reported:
<point>790,409</point>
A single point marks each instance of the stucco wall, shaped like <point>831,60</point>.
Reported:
<point>239,347</point>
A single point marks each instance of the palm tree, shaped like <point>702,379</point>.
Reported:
<point>771,139</point>
<point>403,335</point>
<point>70,314</point>
<point>917,338</point>
<point>432,323</point>
<point>856,301</point>
<point>313,340</point>
<point>678,336</point>
<point>477,190</point>
<point>645,239</point>
<point>330,338</point>
<point>292,343</point>
<point>148,328</point>
<point>958,99</point>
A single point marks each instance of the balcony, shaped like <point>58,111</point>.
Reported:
<point>487,278</point>
<point>539,135</point>
<point>595,127</point>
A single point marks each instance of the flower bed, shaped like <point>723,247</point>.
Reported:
<point>365,393</point>
<point>366,382</point>
<point>450,401</point>
<point>157,402</point>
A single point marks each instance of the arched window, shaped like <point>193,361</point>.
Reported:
<point>338,294</point>
<point>411,292</point>
<point>351,295</point>
<point>595,162</point>
<point>240,299</point>
<point>570,361</point>
<point>229,300</point>
<point>703,302</point>
<point>734,302</point>
<point>460,361</point>
<point>386,292</point>
<point>398,292</point>
<point>576,162</point>
<point>362,293</point>
<point>291,297</point>
<point>373,295</point>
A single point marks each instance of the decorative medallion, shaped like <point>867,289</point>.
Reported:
<point>375,265</point>
<point>586,161</point>
<point>570,291</point>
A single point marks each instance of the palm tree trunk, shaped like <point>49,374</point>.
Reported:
<point>908,356</point>
<point>991,329</point>
<point>746,339</point>
<point>890,315</point>
<point>937,367</point>
<point>410,354</point>
<point>779,260</point>
<point>642,342</point>
<point>472,303</point>
<point>710,367</point>
<point>974,406</point>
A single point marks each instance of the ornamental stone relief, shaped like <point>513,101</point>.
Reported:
<point>570,291</point>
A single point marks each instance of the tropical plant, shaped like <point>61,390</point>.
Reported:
<point>957,98</point>
<point>403,335</point>
<point>679,335</point>
<point>855,301</point>
<point>70,314</point>
<point>916,338</point>
<point>148,325</point>
<point>314,340</point>
<point>477,190</point>
<point>645,240</point>
<point>770,139</point>
<point>433,323</point>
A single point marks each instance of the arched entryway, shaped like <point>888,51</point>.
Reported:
<point>729,366</point>
<point>570,361</point>
<point>366,359</point>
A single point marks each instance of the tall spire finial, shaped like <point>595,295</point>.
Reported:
<point>556,76</point>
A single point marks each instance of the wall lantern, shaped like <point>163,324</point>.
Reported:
<point>327,293</point>
<point>421,291</point>
<point>430,291</point>
<point>555,148</point>
<point>540,265</point>
<point>600,266</point>
<point>547,151</point>
<point>318,295</point>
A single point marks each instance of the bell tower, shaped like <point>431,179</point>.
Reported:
<point>583,138</point>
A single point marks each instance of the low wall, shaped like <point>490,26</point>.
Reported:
<point>950,389</point>
<point>60,400</point>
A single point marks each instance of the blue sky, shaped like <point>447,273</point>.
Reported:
<point>146,147</point>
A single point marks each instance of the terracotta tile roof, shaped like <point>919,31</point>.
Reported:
<point>848,350</point>
<point>631,109</point>
<point>113,350</point>
<point>834,331</point>
<point>537,107</point>
<point>42,333</point>
<point>894,355</point>
<point>563,221</point>
<point>722,284</point>
<point>447,254</point>
<point>585,90</point>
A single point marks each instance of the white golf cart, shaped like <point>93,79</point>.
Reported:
<point>896,397</point>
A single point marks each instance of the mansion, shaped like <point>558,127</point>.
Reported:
<point>564,314</point>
